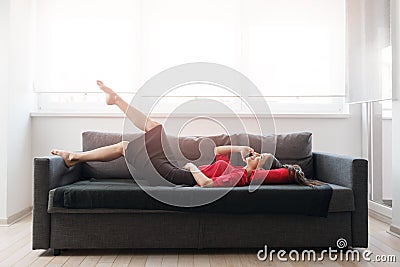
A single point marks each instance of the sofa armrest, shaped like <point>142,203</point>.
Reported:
<point>49,172</point>
<point>350,172</point>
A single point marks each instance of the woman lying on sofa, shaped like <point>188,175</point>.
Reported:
<point>219,174</point>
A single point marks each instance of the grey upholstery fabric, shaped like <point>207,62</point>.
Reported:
<point>124,231</point>
<point>352,173</point>
<point>125,194</point>
<point>342,200</point>
<point>49,172</point>
<point>274,230</point>
<point>197,149</point>
<point>113,169</point>
<point>197,230</point>
<point>291,148</point>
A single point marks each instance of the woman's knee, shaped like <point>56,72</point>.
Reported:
<point>122,146</point>
<point>150,124</point>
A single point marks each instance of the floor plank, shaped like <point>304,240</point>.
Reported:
<point>170,260</point>
<point>154,261</point>
<point>217,260</point>
<point>17,255</point>
<point>138,261</point>
<point>122,260</point>
<point>185,260</point>
<point>43,260</point>
<point>232,260</point>
<point>74,261</point>
<point>58,261</point>
<point>201,260</point>
<point>29,258</point>
<point>90,261</point>
<point>108,258</point>
<point>14,247</point>
<point>250,259</point>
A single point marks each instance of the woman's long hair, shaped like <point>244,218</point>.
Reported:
<point>299,176</point>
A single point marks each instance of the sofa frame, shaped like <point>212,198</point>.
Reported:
<point>138,229</point>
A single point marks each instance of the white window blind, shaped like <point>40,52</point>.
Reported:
<point>293,50</point>
<point>369,51</point>
<point>79,42</point>
<point>296,48</point>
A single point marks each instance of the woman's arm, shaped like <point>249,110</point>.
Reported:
<point>224,150</point>
<point>201,179</point>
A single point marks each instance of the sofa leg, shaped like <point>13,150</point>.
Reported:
<point>56,252</point>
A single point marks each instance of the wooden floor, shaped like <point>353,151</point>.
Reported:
<point>15,250</point>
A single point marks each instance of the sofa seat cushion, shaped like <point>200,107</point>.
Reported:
<point>125,194</point>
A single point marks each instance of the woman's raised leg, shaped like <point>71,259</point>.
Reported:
<point>140,120</point>
<point>115,151</point>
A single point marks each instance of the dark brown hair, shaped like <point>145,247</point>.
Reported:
<point>299,177</point>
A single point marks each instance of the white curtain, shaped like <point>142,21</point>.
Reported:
<point>395,13</point>
<point>368,71</point>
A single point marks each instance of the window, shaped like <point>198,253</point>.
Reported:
<point>293,50</point>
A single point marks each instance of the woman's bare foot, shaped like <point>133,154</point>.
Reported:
<point>68,157</point>
<point>111,96</point>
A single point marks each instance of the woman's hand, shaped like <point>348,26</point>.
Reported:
<point>245,150</point>
<point>187,166</point>
<point>190,166</point>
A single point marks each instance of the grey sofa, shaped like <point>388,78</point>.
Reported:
<point>98,205</point>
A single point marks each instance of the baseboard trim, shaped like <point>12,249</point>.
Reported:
<point>380,209</point>
<point>16,217</point>
<point>379,216</point>
<point>394,229</point>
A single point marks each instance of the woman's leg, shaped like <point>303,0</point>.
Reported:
<point>158,150</point>
<point>106,153</point>
<point>140,120</point>
<point>112,152</point>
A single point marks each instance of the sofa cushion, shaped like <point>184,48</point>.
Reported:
<point>115,168</point>
<point>117,194</point>
<point>290,148</point>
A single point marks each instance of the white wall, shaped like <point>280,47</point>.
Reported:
<point>16,104</point>
<point>396,167</point>
<point>19,185</point>
<point>335,135</point>
<point>4,41</point>
<point>395,7</point>
<point>387,186</point>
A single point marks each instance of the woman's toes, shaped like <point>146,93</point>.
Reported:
<point>110,94</point>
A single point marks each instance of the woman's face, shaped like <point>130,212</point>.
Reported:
<point>257,159</point>
<point>253,160</point>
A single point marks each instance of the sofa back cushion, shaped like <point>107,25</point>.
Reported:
<point>113,169</point>
<point>291,148</point>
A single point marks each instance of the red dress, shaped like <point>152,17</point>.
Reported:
<point>224,174</point>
